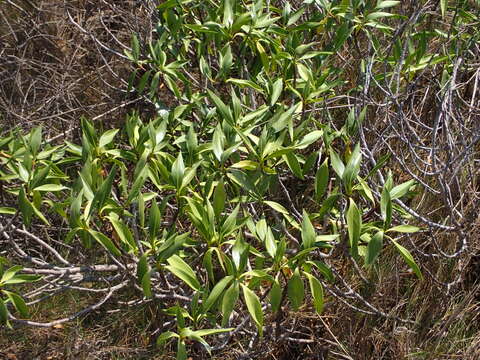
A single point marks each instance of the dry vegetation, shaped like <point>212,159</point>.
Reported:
<point>64,60</point>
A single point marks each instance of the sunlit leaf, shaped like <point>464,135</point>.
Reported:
<point>254,307</point>
<point>407,256</point>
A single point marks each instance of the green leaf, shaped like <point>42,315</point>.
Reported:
<point>230,222</point>
<point>143,81</point>
<point>26,208</point>
<point>386,4</point>
<point>254,307</point>
<point>205,68</point>
<point>292,18</point>
<point>270,243</point>
<point>216,292</point>
<point>324,269</point>
<point>326,237</point>
<point>142,267</point>
<point>10,273</point>
<point>351,170</point>
<point>277,207</point>
<point>192,140</point>
<point>245,164</point>
<point>283,118</point>
<point>321,180</point>
<point>404,229</point>
<point>296,290</point>
<point>193,335</point>
<point>309,139</point>
<point>171,246</point>
<point>124,233</point>
<point>189,175</point>
<point>246,83</point>
<point>228,6</point>
<point>407,256</point>
<point>181,350</point>
<point>137,184</point>
<point>337,163</point>
<point>377,15</point>
<point>277,89</point>
<point>22,278</point>
<point>18,302</point>
<point>219,198</point>
<point>243,180</point>
<point>7,210</point>
<point>135,48</point>
<point>328,204</point>
<point>40,176</point>
<point>103,192</point>
<point>35,140</point>
<point>105,242</point>
<point>316,289</point>
<point>228,303</point>
<point>366,189</point>
<point>23,173</point>
<point>386,207</point>
<point>374,247</point>
<point>50,188</point>
<point>293,164</point>
<point>443,7</point>
<point>354,223</point>
<point>401,190</point>
<point>107,137</point>
<point>166,336</point>
<point>224,110</point>
<point>342,34</point>
<point>207,332</point>
<point>275,296</point>
<point>183,271</point>
<point>147,284</point>
<point>40,215</point>
<point>218,142</point>
<point>178,171</point>
<point>3,313</point>
<point>308,232</point>
<point>154,220</point>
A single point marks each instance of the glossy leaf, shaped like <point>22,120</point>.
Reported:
<point>296,290</point>
<point>374,247</point>
<point>321,180</point>
<point>254,307</point>
<point>308,232</point>
<point>228,303</point>
<point>183,271</point>
<point>216,292</point>
<point>407,256</point>
<point>316,289</point>
<point>404,229</point>
<point>354,223</point>
<point>178,171</point>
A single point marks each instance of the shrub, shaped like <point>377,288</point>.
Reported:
<point>248,193</point>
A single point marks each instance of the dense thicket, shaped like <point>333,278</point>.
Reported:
<point>240,179</point>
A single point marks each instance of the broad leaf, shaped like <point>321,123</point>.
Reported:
<point>407,256</point>
<point>254,307</point>
<point>308,232</point>
<point>183,271</point>
<point>374,247</point>
<point>354,223</point>
<point>296,290</point>
<point>316,290</point>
